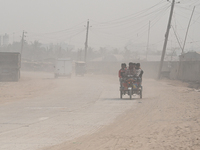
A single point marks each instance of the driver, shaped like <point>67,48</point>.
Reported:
<point>121,73</point>
<point>131,69</point>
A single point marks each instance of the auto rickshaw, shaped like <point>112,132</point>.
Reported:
<point>131,86</point>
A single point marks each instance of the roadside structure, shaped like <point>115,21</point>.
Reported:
<point>190,56</point>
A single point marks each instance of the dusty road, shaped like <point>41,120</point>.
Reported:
<point>85,113</point>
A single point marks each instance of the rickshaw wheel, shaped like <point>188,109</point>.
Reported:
<point>140,94</point>
<point>121,94</point>
<point>130,94</point>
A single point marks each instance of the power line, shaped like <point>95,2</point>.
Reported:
<point>130,20</point>
<point>177,38</point>
<point>64,30</point>
<point>59,37</point>
<point>138,30</point>
<point>166,39</point>
<point>153,24</point>
<point>140,12</point>
<point>188,29</point>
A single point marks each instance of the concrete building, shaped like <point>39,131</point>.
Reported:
<point>109,58</point>
<point>190,56</point>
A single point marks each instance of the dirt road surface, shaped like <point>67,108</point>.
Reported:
<point>85,113</point>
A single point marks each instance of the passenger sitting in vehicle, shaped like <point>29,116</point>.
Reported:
<point>130,70</point>
<point>139,73</point>
<point>121,73</point>
<point>134,66</point>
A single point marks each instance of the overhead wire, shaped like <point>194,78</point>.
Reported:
<point>193,40</point>
<point>177,38</point>
<point>116,23</point>
<point>154,23</point>
<point>188,9</point>
<point>152,20</point>
<point>99,38</point>
<point>194,3</point>
<point>186,27</point>
<point>121,19</point>
<point>126,22</point>
<point>147,24</point>
<point>175,29</point>
<point>130,20</point>
<point>141,22</point>
<point>136,30</point>
<point>191,2</point>
<point>60,34</point>
<point>159,15</point>
<point>68,29</point>
<point>58,37</point>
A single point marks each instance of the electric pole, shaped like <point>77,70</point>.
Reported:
<point>22,42</point>
<point>13,37</point>
<point>148,40</point>
<point>187,30</point>
<point>166,39</point>
<point>86,41</point>
<point>180,63</point>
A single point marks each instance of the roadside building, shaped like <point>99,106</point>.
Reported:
<point>6,39</point>
<point>187,69</point>
<point>109,58</point>
<point>190,56</point>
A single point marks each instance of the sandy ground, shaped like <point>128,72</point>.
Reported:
<point>31,84</point>
<point>167,118</point>
<point>52,115</point>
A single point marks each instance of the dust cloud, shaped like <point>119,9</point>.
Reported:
<point>60,85</point>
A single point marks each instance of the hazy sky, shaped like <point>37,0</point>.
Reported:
<point>113,22</point>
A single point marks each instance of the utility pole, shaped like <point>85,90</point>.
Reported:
<point>13,37</point>
<point>166,39</point>
<point>86,41</point>
<point>177,38</point>
<point>180,63</point>
<point>187,30</point>
<point>148,40</point>
<point>22,42</point>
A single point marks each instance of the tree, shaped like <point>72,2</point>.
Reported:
<point>35,50</point>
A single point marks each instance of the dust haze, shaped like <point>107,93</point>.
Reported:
<point>63,84</point>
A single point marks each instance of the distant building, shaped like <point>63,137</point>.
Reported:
<point>157,58</point>
<point>5,39</point>
<point>109,58</point>
<point>190,56</point>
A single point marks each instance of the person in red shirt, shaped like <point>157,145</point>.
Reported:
<point>121,73</point>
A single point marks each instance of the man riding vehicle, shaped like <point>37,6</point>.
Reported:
<point>131,69</point>
<point>121,73</point>
<point>131,83</point>
<point>139,73</point>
